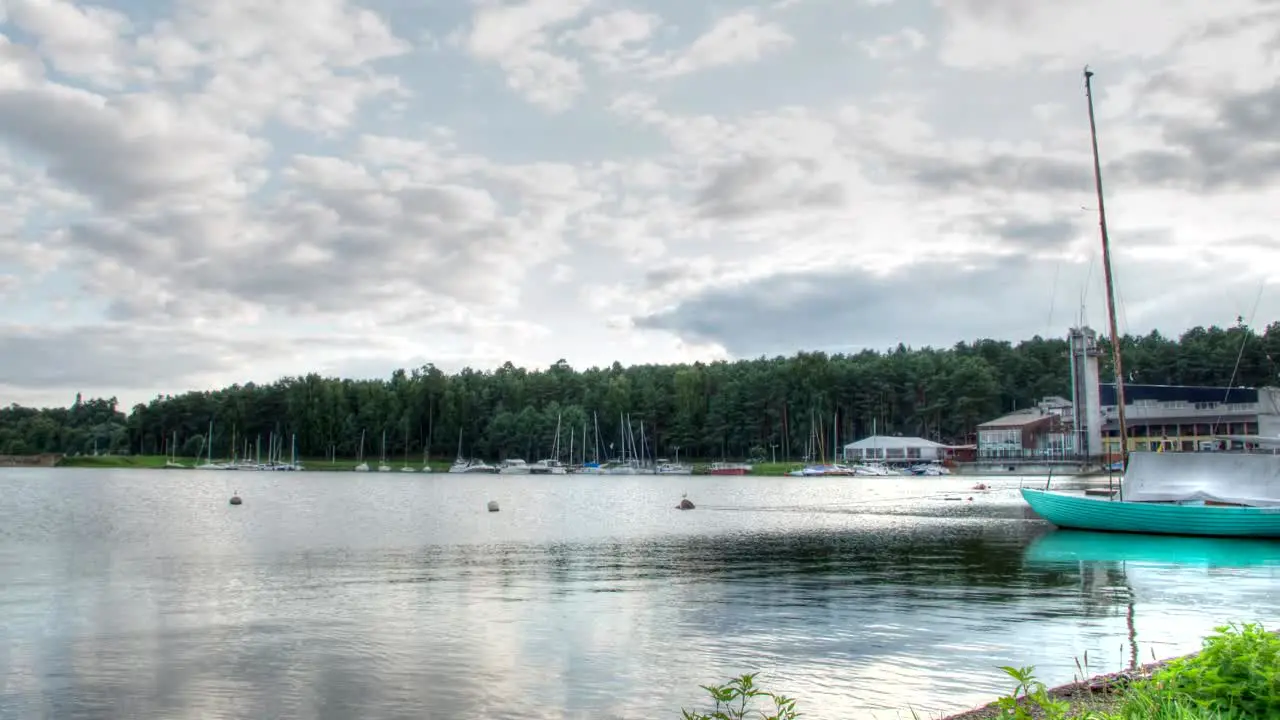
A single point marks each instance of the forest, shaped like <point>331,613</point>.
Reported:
<point>738,409</point>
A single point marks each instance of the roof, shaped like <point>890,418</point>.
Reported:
<point>1175,393</point>
<point>1021,418</point>
<point>892,441</point>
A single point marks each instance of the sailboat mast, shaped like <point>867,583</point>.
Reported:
<point>1106,271</point>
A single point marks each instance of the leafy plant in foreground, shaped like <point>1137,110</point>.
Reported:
<point>1237,671</point>
<point>733,701</point>
<point>1144,703</point>
<point>1032,693</point>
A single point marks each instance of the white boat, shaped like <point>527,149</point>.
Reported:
<point>471,466</point>
<point>361,466</point>
<point>672,468</point>
<point>383,466</point>
<point>513,466</point>
<point>932,469</point>
<point>548,467</point>
<point>874,469</point>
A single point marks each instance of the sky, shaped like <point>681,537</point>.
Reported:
<point>194,194</point>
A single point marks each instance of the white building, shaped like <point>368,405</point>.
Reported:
<point>892,448</point>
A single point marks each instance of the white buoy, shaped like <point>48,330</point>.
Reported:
<point>493,506</point>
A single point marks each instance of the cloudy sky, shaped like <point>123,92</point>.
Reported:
<point>196,193</point>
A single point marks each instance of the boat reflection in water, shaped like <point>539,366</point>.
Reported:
<point>1075,546</point>
<point>1109,563</point>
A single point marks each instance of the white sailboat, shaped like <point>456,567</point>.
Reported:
<point>405,467</point>
<point>462,465</point>
<point>361,465</point>
<point>209,464</point>
<point>551,465</point>
<point>382,464</point>
<point>172,460</point>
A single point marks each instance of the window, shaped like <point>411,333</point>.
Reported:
<point>913,453</point>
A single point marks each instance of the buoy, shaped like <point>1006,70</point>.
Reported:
<point>235,500</point>
<point>493,506</point>
<point>684,503</point>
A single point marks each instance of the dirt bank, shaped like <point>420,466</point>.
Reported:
<point>43,460</point>
<point>1099,693</point>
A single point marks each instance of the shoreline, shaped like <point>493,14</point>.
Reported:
<point>1096,693</point>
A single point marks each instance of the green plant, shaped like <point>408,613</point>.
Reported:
<point>733,701</point>
<point>1146,703</point>
<point>1237,671</point>
<point>1029,693</point>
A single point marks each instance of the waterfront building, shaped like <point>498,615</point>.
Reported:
<point>1045,431</point>
<point>1190,419</point>
<point>896,449</point>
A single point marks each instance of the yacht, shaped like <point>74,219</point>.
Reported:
<point>514,466</point>
<point>472,466</point>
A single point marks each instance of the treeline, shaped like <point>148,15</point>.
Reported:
<point>706,410</point>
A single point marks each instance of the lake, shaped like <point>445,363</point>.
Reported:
<point>143,594</point>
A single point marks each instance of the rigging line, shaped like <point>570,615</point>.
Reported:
<point>1084,291</point>
<point>1244,339</point>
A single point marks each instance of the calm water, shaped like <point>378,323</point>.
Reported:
<point>144,595</point>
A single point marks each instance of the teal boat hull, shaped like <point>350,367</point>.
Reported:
<point>1077,512</point>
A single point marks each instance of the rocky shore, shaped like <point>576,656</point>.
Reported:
<point>1099,693</point>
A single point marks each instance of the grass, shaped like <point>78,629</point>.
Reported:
<point>118,461</point>
<point>1235,676</point>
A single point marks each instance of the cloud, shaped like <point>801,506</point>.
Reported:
<point>930,303</point>
<point>734,39</point>
<point>516,38</point>
<point>616,40</point>
<point>758,185</point>
<point>117,357</point>
<point>982,34</point>
<point>1235,148</point>
<point>895,45</point>
<point>349,187</point>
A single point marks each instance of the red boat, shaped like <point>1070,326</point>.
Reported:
<point>723,468</point>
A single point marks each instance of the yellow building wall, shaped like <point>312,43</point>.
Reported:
<point>1138,443</point>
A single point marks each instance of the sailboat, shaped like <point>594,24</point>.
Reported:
<point>361,465</point>
<point>405,467</point>
<point>172,460</point>
<point>382,464</point>
<point>1209,494</point>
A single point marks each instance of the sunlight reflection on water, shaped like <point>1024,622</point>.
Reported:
<point>142,594</point>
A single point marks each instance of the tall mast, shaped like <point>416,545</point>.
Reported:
<point>1106,270</point>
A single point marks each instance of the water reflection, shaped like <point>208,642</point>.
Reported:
<point>132,595</point>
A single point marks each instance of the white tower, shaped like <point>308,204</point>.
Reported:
<point>1086,402</point>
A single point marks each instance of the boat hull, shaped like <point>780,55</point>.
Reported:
<point>1077,512</point>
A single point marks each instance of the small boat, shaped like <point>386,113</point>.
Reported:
<point>728,468</point>
<point>1207,494</point>
<point>1079,512</point>
<point>1195,493</point>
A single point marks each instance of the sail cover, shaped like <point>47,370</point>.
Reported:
<point>1238,478</point>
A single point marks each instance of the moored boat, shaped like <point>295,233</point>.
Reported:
<point>1211,494</point>
<point>728,468</point>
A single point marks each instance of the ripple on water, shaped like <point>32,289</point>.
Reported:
<point>376,597</point>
